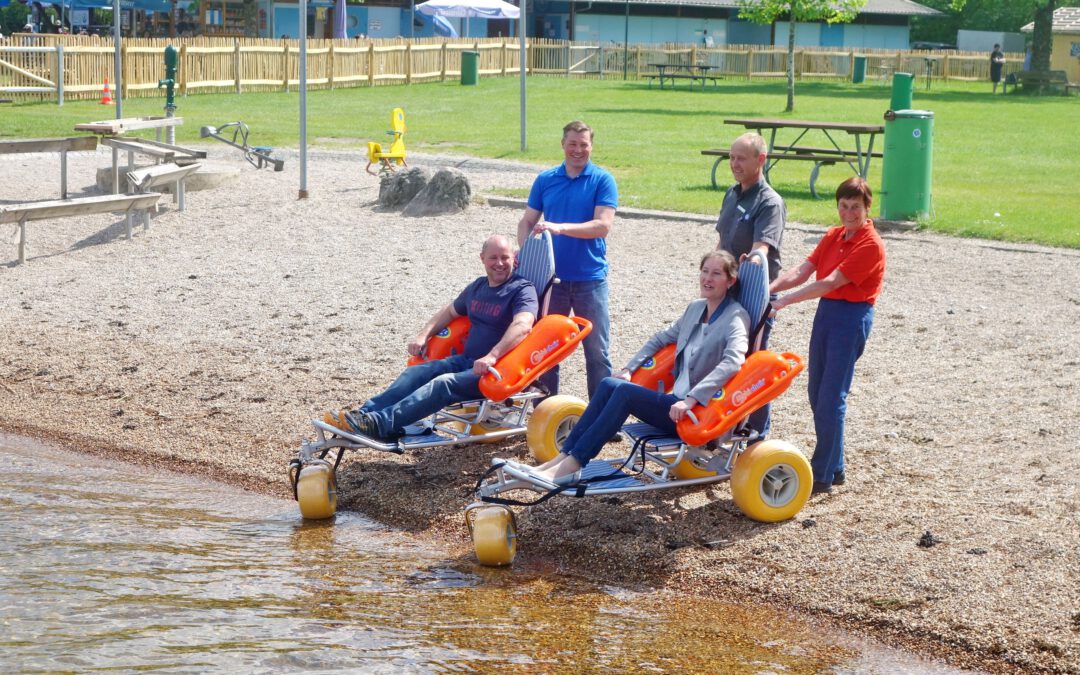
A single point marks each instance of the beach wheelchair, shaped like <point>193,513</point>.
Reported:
<point>509,399</point>
<point>770,480</point>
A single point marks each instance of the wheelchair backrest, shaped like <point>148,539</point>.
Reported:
<point>752,292</point>
<point>536,262</point>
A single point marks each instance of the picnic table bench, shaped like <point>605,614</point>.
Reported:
<point>61,145</point>
<point>858,158</point>
<point>22,213</point>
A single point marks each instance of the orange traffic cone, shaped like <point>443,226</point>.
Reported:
<point>106,95</point>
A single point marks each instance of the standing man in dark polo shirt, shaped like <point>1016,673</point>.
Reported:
<point>577,201</point>
<point>753,216</point>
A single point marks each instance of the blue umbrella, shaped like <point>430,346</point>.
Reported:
<point>444,27</point>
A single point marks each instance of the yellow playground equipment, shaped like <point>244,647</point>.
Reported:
<point>396,153</point>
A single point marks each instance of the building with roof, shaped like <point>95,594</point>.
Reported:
<point>1065,47</point>
<point>881,24</point>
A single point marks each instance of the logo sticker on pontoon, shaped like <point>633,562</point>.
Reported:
<point>739,397</point>
<point>444,333</point>
<point>648,365</point>
<point>536,357</point>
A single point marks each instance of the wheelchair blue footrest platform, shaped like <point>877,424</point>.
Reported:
<point>606,467</point>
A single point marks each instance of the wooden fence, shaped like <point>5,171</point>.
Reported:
<point>54,67</point>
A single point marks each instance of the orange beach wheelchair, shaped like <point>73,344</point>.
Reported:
<point>503,412</point>
<point>770,480</point>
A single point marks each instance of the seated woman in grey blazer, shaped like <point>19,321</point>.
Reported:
<point>711,341</point>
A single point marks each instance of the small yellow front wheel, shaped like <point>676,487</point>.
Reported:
<point>316,490</point>
<point>494,536</point>
<point>551,423</point>
<point>771,481</point>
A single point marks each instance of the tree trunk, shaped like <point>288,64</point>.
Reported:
<point>791,64</point>
<point>1043,36</point>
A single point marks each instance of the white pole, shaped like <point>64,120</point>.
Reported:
<point>116,58</point>
<point>521,58</point>
<point>303,100</point>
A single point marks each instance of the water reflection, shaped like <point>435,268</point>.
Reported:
<point>112,567</point>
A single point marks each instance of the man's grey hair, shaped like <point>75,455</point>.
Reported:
<point>754,140</point>
<point>496,239</point>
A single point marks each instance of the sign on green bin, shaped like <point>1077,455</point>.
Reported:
<point>906,167</point>
<point>470,67</point>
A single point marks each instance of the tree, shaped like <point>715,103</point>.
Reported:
<point>768,11</point>
<point>1043,37</point>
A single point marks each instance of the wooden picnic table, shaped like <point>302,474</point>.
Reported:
<point>858,158</point>
<point>125,124</point>
<point>112,134</point>
<point>694,72</point>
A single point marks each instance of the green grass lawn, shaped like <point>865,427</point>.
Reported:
<point>1004,167</point>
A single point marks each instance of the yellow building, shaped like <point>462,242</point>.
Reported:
<point>1065,50</point>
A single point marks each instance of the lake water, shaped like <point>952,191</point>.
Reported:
<point>107,566</point>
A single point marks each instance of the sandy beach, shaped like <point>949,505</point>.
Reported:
<point>207,343</point>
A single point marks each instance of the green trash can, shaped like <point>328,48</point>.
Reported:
<point>902,84</point>
<point>858,71</point>
<point>470,67</point>
<point>906,167</point>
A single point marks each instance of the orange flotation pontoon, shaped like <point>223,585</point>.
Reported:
<point>658,371</point>
<point>763,377</point>
<point>450,341</point>
<point>549,342</point>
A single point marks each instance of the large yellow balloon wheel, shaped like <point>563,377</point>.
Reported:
<point>771,481</point>
<point>551,423</point>
<point>316,491</point>
<point>494,536</point>
<point>687,468</point>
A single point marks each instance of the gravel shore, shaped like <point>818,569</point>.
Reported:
<point>207,343</point>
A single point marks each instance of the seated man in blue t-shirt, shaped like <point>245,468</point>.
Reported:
<point>501,307</point>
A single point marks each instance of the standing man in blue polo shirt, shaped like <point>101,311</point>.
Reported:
<point>577,201</point>
<point>753,216</point>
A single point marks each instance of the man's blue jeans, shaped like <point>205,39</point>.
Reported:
<point>589,300</point>
<point>837,340</point>
<point>614,401</point>
<point>423,390</point>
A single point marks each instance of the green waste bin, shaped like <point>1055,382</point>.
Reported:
<point>470,67</point>
<point>906,168</point>
<point>858,71</point>
<point>902,84</point>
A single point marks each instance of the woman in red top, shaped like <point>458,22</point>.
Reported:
<point>848,266</point>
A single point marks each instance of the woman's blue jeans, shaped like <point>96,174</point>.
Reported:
<point>837,340</point>
<point>613,401</point>
<point>423,390</point>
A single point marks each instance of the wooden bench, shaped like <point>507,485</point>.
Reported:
<point>1039,82</point>
<point>800,154</point>
<point>83,206</point>
<point>145,180</point>
<point>61,145</point>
